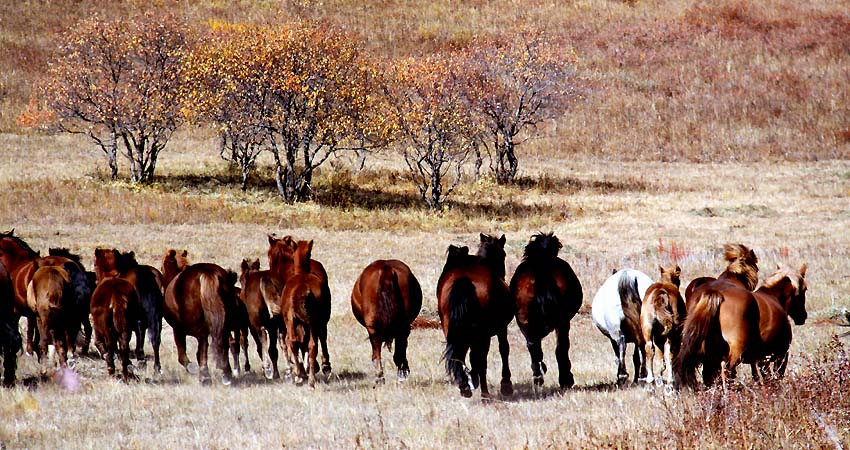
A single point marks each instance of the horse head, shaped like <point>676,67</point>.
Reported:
<point>542,245</point>
<point>248,267</point>
<point>491,253</point>
<point>671,275</point>
<point>14,251</point>
<point>792,291</point>
<point>281,251</point>
<point>303,253</point>
<point>172,264</point>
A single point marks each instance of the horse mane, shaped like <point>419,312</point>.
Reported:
<point>125,261</point>
<point>10,235</point>
<point>281,250</point>
<point>65,253</point>
<point>542,245</point>
<point>743,264</point>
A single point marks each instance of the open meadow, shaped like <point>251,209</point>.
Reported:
<point>708,125</point>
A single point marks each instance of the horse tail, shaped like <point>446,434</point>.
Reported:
<point>463,320</point>
<point>213,303</point>
<point>119,305</point>
<point>389,295</point>
<point>696,330</point>
<point>546,296</point>
<point>627,288</point>
<point>270,291</point>
<point>150,299</point>
<point>318,310</point>
<point>661,304</point>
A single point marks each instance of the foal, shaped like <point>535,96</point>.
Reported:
<point>662,315</point>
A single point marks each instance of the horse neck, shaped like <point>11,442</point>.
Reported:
<point>301,265</point>
<point>170,270</point>
<point>496,265</point>
<point>739,278</point>
<point>778,293</point>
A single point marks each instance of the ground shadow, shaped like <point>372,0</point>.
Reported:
<point>570,185</point>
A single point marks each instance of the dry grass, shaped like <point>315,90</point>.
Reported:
<point>636,214</point>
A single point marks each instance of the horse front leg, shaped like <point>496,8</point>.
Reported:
<point>124,352</point>
<point>326,358</point>
<point>312,353</point>
<point>507,386</point>
<point>639,361</point>
<point>562,354</point>
<point>32,327</point>
<point>233,341</point>
<point>668,361</point>
<point>649,351</point>
<point>276,335</point>
<point>140,343</point>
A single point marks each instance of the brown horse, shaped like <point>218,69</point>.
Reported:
<point>306,312</point>
<point>10,337</point>
<point>781,296</point>
<point>200,302</point>
<point>662,316</point>
<point>147,281</point>
<point>19,257</point>
<point>722,326</point>
<point>282,262</point>
<point>260,295</point>
<point>475,304</point>
<point>116,313</point>
<point>386,299</point>
<point>50,294</point>
<point>548,295</point>
<point>82,291</point>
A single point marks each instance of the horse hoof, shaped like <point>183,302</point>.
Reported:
<point>226,380</point>
<point>538,381</point>
<point>403,374</point>
<point>326,368</point>
<point>380,380</point>
<point>465,392</point>
<point>506,388</point>
<point>485,397</point>
<point>193,368</point>
<point>268,372</point>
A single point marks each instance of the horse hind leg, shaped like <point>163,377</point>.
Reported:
<point>619,346</point>
<point>478,360</point>
<point>639,361</point>
<point>312,353</point>
<point>649,351</point>
<point>202,354</point>
<point>375,340</point>
<point>400,357</point>
<point>507,387</point>
<point>538,367</point>
<point>562,354</point>
<point>326,359</point>
<point>180,342</point>
<point>140,344</point>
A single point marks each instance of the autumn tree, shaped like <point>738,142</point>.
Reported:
<point>513,88</point>
<point>434,123</point>
<point>119,83</point>
<point>302,91</point>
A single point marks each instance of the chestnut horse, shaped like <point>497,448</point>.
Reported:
<point>82,292</point>
<point>548,295</point>
<point>147,281</point>
<point>475,304</point>
<point>386,298</point>
<point>200,302</point>
<point>260,294</point>
<point>781,296</point>
<point>10,337</point>
<point>282,262</point>
<point>306,312</point>
<point>116,313</point>
<point>722,326</point>
<point>50,294</point>
<point>662,316</point>
<point>18,257</point>
<point>616,313</point>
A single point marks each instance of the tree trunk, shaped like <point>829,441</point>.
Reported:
<point>112,155</point>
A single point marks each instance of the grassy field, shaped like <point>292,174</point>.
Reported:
<point>698,124</point>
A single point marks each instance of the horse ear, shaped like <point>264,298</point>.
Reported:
<point>171,254</point>
<point>803,269</point>
<point>12,232</point>
<point>255,265</point>
<point>677,270</point>
<point>483,237</point>
<point>309,246</point>
<point>502,240</point>
<point>245,266</point>
<point>661,269</point>
<point>185,253</point>
<point>754,257</point>
<point>272,239</point>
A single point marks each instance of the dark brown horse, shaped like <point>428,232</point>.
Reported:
<point>260,294</point>
<point>475,304</point>
<point>50,294</point>
<point>10,337</point>
<point>200,301</point>
<point>548,295</point>
<point>82,292</point>
<point>662,316</point>
<point>781,296</point>
<point>386,299</point>
<point>282,262</point>
<point>116,313</point>
<point>18,257</point>
<point>722,326</point>
<point>306,312</point>
<point>147,281</point>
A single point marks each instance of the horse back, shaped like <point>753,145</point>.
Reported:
<point>491,292</point>
<point>690,291</point>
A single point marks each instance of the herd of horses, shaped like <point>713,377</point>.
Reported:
<point>718,324</point>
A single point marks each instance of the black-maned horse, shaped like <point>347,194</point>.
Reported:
<point>475,304</point>
<point>548,295</point>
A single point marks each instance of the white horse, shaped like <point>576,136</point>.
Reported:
<point>616,312</point>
